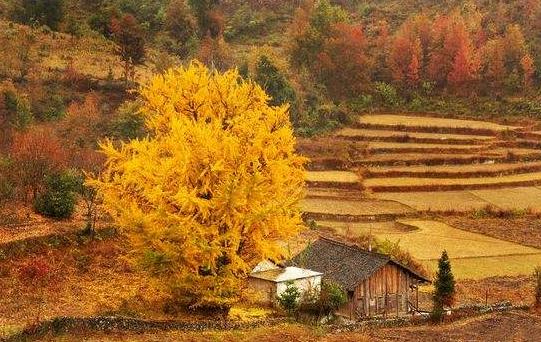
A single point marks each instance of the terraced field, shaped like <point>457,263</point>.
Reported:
<point>394,167</point>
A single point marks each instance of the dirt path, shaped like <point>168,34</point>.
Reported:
<point>508,326</point>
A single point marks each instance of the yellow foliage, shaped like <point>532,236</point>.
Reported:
<point>215,187</point>
<point>249,313</point>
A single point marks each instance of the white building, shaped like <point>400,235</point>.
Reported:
<point>270,281</point>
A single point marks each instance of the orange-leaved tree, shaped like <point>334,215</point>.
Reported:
<point>213,189</point>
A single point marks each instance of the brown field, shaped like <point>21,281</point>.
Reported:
<point>407,159</point>
<point>413,121</point>
<point>525,231</point>
<point>513,198</point>
<point>517,290</point>
<point>507,326</point>
<point>331,147</point>
<point>396,147</point>
<point>345,207</point>
<point>336,193</point>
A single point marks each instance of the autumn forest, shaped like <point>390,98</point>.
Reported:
<point>270,170</point>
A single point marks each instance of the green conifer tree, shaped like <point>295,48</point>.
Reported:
<point>444,294</point>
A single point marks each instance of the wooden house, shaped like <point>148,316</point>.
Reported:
<point>375,284</point>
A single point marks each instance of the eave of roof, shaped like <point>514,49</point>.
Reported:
<point>285,274</point>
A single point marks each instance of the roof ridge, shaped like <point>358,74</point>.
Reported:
<point>354,247</point>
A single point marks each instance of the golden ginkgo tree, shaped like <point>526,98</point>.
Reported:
<point>213,189</point>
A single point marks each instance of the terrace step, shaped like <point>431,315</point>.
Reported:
<point>406,184</point>
<point>432,125</point>
<point>431,159</point>
<point>353,208</point>
<point>455,171</point>
<point>353,134</point>
<point>334,193</point>
<point>391,147</point>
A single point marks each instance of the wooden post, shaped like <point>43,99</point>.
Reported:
<point>366,299</point>
<point>397,305</point>
<point>407,289</point>
<point>385,306</point>
<point>417,296</point>
<point>351,303</point>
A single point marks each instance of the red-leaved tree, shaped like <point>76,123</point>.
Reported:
<point>342,65</point>
<point>35,153</point>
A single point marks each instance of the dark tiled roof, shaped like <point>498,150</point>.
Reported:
<point>348,265</point>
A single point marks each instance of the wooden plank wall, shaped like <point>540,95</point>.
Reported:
<point>386,292</point>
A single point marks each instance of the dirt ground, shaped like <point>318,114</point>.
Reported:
<point>508,326</point>
<point>525,231</point>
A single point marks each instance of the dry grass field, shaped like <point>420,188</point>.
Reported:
<point>473,255</point>
<point>336,193</point>
<point>494,266</point>
<point>392,120</point>
<point>362,228</point>
<point>89,55</point>
<point>332,176</point>
<point>444,166</point>
<point>432,237</point>
<point>454,171</point>
<point>407,159</point>
<point>85,280</point>
<point>429,184</point>
<point>439,201</point>
<point>351,207</point>
<point>521,198</point>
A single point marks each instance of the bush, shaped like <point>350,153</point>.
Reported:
<point>42,12</point>
<point>7,190</point>
<point>55,109</point>
<point>387,94</point>
<point>16,107</point>
<point>129,122</point>
<point>275,84</point>
<point>289,299</point>
<point>58,199</point>
<point>247,23</point>
<point>324,301</point>
<point>331,298</point>
<point>319,119</point>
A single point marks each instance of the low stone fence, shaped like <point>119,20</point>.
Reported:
<point>63,325</point>
<point>456,314</point>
